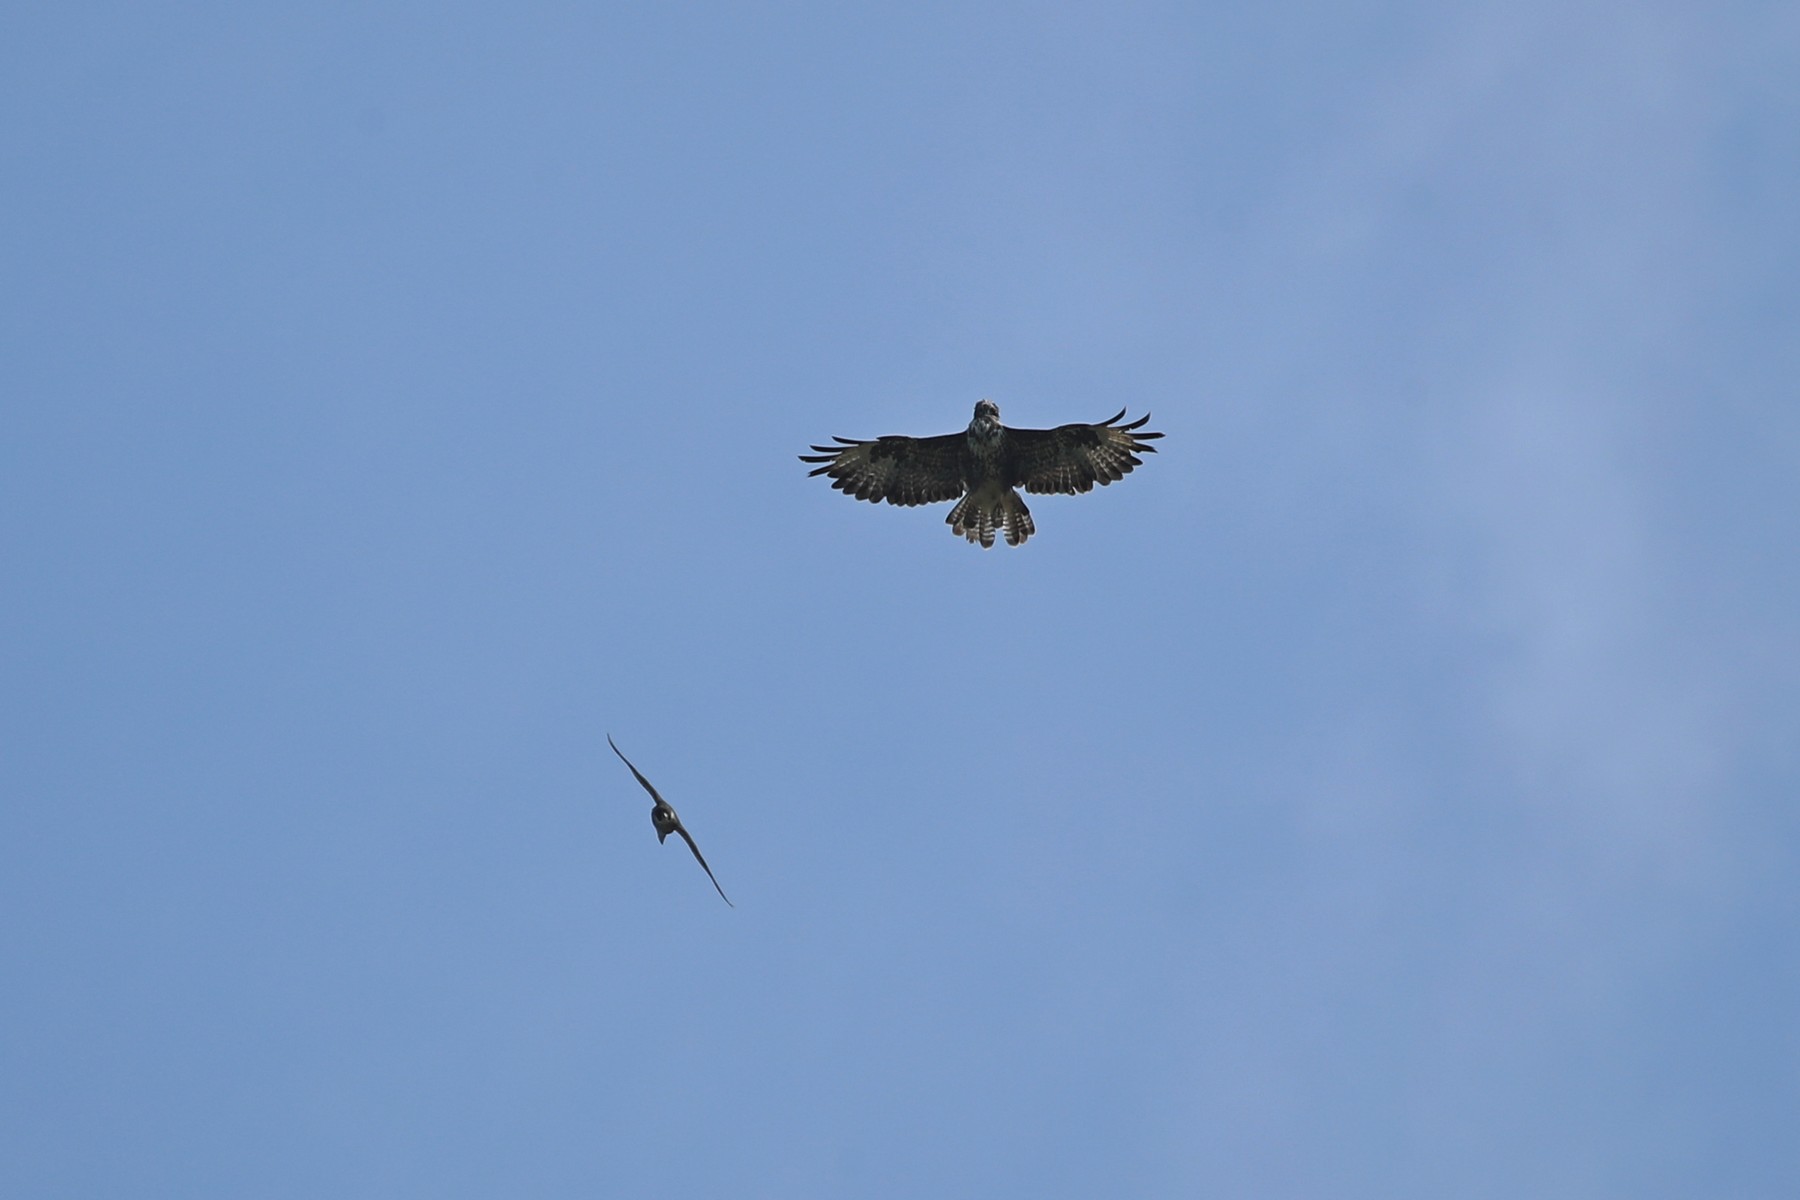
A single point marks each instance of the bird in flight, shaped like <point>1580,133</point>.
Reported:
<point>983,465</point>
<point>662,815</point>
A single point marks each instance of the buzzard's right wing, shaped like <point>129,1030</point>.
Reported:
<point>900,470</point>
<point>1071,459</point>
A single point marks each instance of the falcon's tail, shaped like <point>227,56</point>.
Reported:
<point>988,510</point>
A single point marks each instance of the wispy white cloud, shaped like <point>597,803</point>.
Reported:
<point>1560,158</point>
<point>1504,914</point>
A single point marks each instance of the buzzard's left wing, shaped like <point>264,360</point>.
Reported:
<point>900,470</point>
<point>1073,458</point>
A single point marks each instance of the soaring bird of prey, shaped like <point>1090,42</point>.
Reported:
<point>983,465</point>
<point>662,815</point>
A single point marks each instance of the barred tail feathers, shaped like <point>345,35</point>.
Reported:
<point>988,510</point>
<point>1019,525</point>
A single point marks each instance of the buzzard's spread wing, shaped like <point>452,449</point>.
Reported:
<point>900,470</point>
<point>1073,458</point>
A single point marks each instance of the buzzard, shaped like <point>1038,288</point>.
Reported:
<point>983,465</point>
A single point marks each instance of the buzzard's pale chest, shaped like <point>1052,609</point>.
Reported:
<point>986,439</point>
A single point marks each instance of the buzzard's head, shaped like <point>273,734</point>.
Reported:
<point>987,410</point>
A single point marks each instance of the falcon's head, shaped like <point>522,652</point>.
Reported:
<point>663,817</point>
<point>987,410</point>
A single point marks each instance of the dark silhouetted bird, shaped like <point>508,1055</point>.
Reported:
<point>983,465</point>
<point>662,815</point>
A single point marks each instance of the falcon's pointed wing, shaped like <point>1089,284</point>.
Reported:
<point>686,837</point>
<point>1073,458</point>
<point>900,470</point>
<point>640,775</point>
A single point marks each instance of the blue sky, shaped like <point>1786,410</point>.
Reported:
<point>1387,791</point>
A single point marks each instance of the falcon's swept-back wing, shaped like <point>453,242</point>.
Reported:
<point>1072,458</point>
<point>900,470</point>
<point>648,786</point>
<point>701,858</point>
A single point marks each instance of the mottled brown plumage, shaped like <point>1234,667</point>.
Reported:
<point>983,465</point>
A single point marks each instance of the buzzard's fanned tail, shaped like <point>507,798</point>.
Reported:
<point>986,511</point>
<point>1019,525</point>
<point>971,519</point>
